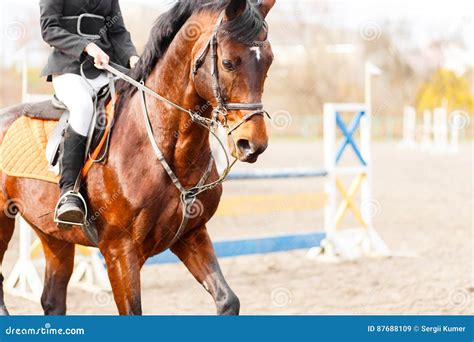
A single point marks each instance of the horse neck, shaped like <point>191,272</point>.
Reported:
<point>184,143</point>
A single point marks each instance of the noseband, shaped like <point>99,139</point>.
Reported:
<point>223,107</point>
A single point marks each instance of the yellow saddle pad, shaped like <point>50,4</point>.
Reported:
<point>23,151</point>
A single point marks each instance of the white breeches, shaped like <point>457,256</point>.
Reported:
<point>77,95</point>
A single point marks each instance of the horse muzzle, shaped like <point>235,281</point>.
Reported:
<point>247,150</point>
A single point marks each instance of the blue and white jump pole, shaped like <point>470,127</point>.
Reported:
<point>349,243</point>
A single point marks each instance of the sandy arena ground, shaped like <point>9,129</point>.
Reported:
<point>425,217</point>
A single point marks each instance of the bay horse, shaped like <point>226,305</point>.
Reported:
<point>139,207</point>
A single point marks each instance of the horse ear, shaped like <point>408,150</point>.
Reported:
<point>265,6</point>
<point>235,8</point>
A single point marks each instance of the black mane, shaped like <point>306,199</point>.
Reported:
<point>244,28</point>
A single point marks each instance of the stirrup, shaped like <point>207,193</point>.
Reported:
<point>66,223</point>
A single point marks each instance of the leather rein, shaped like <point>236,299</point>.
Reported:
<point>220,112</point>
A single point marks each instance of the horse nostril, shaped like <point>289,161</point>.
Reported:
<point>244,146</point>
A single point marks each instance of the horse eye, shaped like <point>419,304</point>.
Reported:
<point>228,64</point>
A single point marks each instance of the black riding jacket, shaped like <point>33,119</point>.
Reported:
<point>68,44</point>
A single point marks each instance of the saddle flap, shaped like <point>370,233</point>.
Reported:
<point>54,141</point>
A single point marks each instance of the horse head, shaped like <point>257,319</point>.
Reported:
<point>231,59</point>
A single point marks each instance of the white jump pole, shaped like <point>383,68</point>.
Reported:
<point>369,205</point>
<point>444,129</point>
<point>24,78</point>
<point>439,133</point>
<point>409,127</point>
<point>329,122</point>
<point>454,123</point>
<point>365,142</point>
<point>24,280</point>
<point>436,135</point>
<point>89,273</point>
<point>426,139</point>
<point>440,130</point>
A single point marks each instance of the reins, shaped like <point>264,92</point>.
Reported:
<point>209,124</point>
<point>188,196</point>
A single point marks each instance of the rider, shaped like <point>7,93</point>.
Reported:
<point>87,32</point>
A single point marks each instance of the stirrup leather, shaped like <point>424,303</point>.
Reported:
<point>61,222</point>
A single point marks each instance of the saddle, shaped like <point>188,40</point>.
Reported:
<point>55,110</point>
<point>39,131</point>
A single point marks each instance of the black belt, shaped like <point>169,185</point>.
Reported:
<point>86,25</point>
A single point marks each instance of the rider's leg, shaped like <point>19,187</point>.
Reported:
<point>71,208</point>
<point>77,95</point>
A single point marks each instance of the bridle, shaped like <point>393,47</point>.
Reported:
<point>219,117</point>
<point>223,107</point>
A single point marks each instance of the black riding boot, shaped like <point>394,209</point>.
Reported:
<point>71,209</point>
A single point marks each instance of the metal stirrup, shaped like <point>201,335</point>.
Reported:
<point>65,195</point>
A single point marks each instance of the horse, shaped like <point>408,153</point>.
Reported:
<point>201,54</point>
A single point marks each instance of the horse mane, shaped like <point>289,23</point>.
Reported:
<point>245,28</point>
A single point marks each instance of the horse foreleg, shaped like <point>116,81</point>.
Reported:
<point>7,225</point>
<point>59,257</point>
<point>123,267</point>
<point>195,250</point>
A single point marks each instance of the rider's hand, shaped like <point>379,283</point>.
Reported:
<point>133,61</point>
<point>100,57</point>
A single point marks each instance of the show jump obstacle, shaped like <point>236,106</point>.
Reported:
<point>437,134</point>
<point>24,280</point>
<point>334,242</point>
<point>363,240</point>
